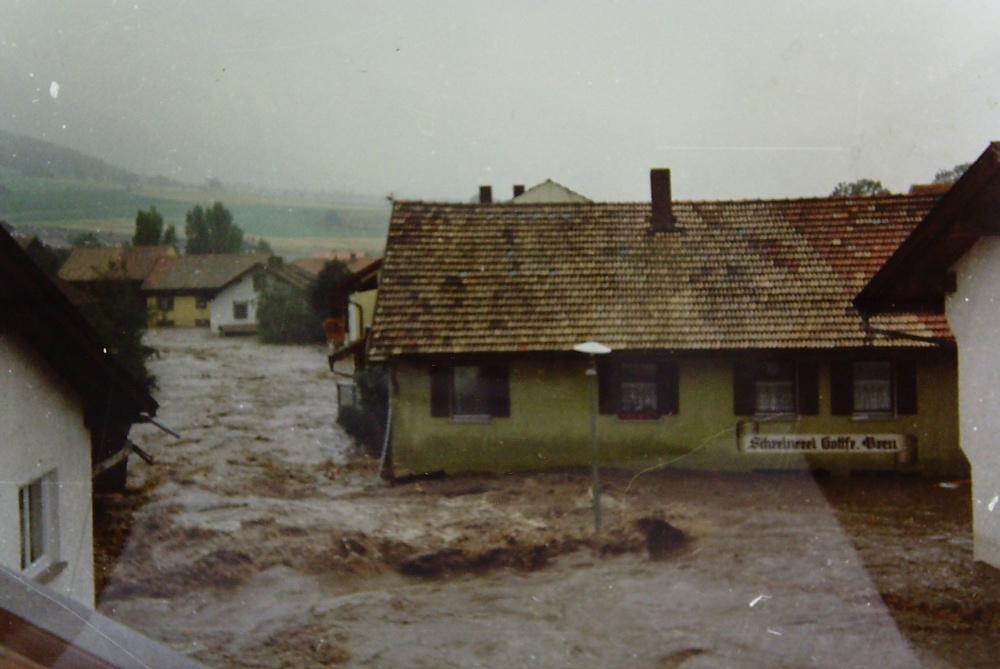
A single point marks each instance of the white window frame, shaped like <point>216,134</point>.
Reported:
<point>774,390</point>
<point>38,506</point>
<point>868,385</point>
<point>245,306</point>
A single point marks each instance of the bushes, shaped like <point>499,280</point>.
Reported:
<point>284,316</point>
<point>366,421</point>
<point>119,317</point>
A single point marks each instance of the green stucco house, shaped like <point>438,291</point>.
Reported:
<point>734,341</point>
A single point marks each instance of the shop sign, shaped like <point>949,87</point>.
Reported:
<point>823,443</point>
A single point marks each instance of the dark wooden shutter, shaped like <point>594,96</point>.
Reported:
<point>906,387</point>
<point>498,387</point>
<point>440,391</point>
<point>608,387</point>
<point>807,387</point>
<point>667,388</point>
<point>841,388</point>
<point>744,376</point>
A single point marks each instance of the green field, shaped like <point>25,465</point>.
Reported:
<point>294,227</point>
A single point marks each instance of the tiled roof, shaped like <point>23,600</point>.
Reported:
<point>915,277</point>
<point>132,263</point>
<point>735,275</point>
<point>207,272</point>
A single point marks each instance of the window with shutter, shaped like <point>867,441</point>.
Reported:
<point>470,392</point>
<point>638,388</point>
<point>776,387</point>
<point>873,388</point>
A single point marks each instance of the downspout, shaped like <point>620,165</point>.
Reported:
<point>387,439</point>
<point>361,316</point>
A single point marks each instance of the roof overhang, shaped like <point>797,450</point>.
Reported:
<point>916,278</point>
<point>365,278</point>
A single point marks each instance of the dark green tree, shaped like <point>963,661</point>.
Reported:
<point>148,228</point>
<point>196,232</point>
<point>170,236</point>
<point>323,297</point>
<point>860,187</point>
<point>48,258</point>
<point>952,175</point>
<point>226,236</point>
<point>259,245</point>
<point>284,316</point>
<point>212,231</point>
<point>119,316</point>
<point>85,239</point>
<point>366,421</point>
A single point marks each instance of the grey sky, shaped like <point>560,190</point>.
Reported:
<point>429,100</point>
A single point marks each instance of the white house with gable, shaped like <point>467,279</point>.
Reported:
<point>951,264</point>
<point>45,527</point>
<point>66,406</point>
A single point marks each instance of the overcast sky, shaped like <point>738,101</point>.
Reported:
<point>431,99</point>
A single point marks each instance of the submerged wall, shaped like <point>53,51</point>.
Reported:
<point>549,424</point>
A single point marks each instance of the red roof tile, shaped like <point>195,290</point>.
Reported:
<point>463,278</point>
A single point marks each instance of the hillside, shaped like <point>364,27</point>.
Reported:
<point>45,186</point>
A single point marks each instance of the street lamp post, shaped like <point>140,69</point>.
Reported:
<point>593,349</point>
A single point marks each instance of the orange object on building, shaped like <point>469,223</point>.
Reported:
<point>334,330</point>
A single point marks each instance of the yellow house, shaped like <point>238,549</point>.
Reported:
<point>734,343</point>
<point>213,290</point>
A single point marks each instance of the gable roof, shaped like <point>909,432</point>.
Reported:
<point>290,274</point>
<point>202,272</point>
<point>915,277</point>
<point>548,191</point>
<point>459,278</point>
<point>130,263</point>
<point>33,306</point>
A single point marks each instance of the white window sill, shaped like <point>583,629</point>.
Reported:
<point>45,571</point>
<point>471,419</point>
<point>863,417</point>
<point>776,417</point>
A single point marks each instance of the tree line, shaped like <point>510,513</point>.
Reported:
<point>206,230</point>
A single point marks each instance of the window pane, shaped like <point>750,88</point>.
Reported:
<point>470,396</point>
<point>775,388</point>
<point>873,386</point>
<point>638,387</point>
<point>31,506</point>
<point>775,397</point>
<point>36,511</point>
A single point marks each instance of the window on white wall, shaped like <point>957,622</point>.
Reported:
<point>37,506</point>
<point>240,311</point>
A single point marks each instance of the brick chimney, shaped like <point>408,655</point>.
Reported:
<point>485,194</point>
<point>518,189</point>
<point>663,213</point>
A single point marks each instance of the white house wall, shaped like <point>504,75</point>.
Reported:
<point>41,431</point>
<point>359,314</point>
<point>221,306</point>
<point>973,313</point>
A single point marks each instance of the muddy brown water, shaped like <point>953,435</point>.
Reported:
<point>259,539</point>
